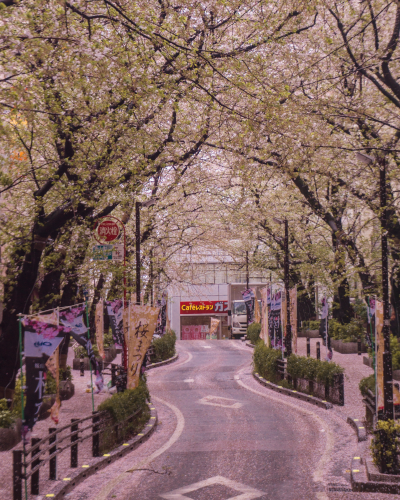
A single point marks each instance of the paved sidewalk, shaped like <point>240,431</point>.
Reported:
<point>79,406</point>
<point>355,370</point>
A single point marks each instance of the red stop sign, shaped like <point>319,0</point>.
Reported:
<point>107,230</point>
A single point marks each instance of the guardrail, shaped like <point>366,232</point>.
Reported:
<point>100,424</point>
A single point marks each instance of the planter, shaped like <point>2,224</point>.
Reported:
<point>347,347</point>
<point>313,334</point>
<point>67,390</point>
<point>368,361</point>
<point>396,374</point>
<point>110,355</point>
<point>10,437</point>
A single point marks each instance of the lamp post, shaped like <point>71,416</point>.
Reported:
<point>138,206</point>
<point>288,337</point>
<point>387,356</point>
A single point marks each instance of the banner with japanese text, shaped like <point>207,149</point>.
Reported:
<point>264,315</point>
<point>53,366</point>
<point>142,325</point>
<point>380,347</point>
<point>293,317</point>
<point>248,297</point>
<point>257,314</point>
<point>115,315</point>
<point>99,322</point>
<point>214,325</point>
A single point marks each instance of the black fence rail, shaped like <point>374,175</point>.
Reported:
<point>28,463</point>
<point>371,415</point>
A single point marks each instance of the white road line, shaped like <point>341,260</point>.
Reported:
<point>322,464</point>
<point>206,346</point>
<point>175,436</point>
<point>188,380</point>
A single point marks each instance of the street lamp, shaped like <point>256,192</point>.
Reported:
<point>387,356</point>
<point>138,206</point>
<point>288,338</point>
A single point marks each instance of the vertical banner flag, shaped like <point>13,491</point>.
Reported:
<point>270,306</point>
<point>284,313</point>
<point>99,321</point>
<point>41,339</point>
<point>257,315</point>
<point>53,366</point>
<point>370,333</point>
<point>264,315</point>
<point>115,314</point>
<point>248,297</point>
<point>379,351</point>
<point>142,324</point>
<point>293,317</point>
<point>276,305</point>
<point>213,329</point>
<point>162,317</point>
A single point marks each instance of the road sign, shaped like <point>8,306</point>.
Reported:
<point>106,231</point>
<point>102,252</point>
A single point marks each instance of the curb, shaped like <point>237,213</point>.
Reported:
<point>360,430</point>
<point>162,363</point>
<point>293,394</point>
<point>250,345</point>
<point>360,483</point>
<point>96,464</point>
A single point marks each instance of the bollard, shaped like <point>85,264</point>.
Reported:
<point>17,472</point>
<point>82,366</point>
<point>35,475</point>
<point>359,345</point>
<point>113,368</point>
<point>318,350</point>
<point>53,461</point>
<point>308,347</point>
<point>95,437</point>
<point>74,447</point>
<point>340,378</point>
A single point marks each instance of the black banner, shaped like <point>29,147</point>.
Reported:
<point>115,315</point>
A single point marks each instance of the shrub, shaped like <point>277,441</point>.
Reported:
<point>119,407</point>
<point>395,350</point>
<point>108,340</point>
<point>384,446</point>
<point>265,361</point>
<point>313,369</point>
<point>348,332</point>
<point>285,384</point>
<point>79,350</point>
<point>7,417</point>
<point>310,325</point>
<point>51,386</point>
<point>253,332</point>
<point>367,383</point>
<point>164,347</point>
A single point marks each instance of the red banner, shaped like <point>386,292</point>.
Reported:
<point>204,307</point>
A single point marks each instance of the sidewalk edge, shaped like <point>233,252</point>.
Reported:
<point>162,363</point>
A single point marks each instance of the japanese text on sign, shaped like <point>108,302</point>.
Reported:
<point>204,307</point>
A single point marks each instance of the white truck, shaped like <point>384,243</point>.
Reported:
<point>239,318</point>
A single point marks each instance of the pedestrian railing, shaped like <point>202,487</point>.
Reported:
<point>27,463</point>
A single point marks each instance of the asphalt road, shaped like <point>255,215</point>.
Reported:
<point>229,442</point>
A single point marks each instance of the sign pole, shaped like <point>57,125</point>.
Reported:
<point>22,398</point>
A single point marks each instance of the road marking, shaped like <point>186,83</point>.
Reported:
<point>224,402</point>
<point>188,380</point>
<point>206,346</point>
<point>322,464</point>
<point>103,494</point>
<point>247,492</point>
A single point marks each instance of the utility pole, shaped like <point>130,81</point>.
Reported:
<point>387,357</point>
<point>288,338</point>
<point>247,270</point>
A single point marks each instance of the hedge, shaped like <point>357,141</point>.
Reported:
<point>348,332</point>
<point>265,361</point>
<point>164,347</point>
<point>311,325</point>
<point>313,369</point>
<point>367,383</point>
<point>384,446</point>
<point>253,332</point>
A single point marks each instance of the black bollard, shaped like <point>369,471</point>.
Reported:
<point>82,366</point>
<point>53,461</point>
<point>318,350</point>
<point>17,472</point>
<point>359,345</point>
<point>74,447</point>
<point>35,475</point>
<point>308,347</point>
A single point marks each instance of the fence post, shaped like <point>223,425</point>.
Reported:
<point>53,461</point>
<point>35,475</point>
<point>82,365</point>
<point>359,346</point>
<point>74,447</point>
<point>17,472</point>
<point>318,350</point>
<point>113,368</point>
<point>308,347</point>
<point>95,437</point>
<point>341,388</point>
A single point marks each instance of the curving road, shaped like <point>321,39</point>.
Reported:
<point>228,442</point>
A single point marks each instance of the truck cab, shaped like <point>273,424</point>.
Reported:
<point>239,319</point>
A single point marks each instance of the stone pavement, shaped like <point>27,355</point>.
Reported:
<point>79,406</point>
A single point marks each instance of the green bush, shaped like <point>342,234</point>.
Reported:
<point>108,340</point>
<point>360,308</point>
<point>253,332</point>
<point>395,350</point>
<point>164,347</point>
<point>120,407</point>
<point>265,361</point>
<point>285,384</point>
<point>7,417</point>
<point>313,369</point>
<point>348,332</point>
<point>384,446</point>
<point>310,325</point>
<point>51,386</point>
<point>79,350</point>
<point>367,383</point>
